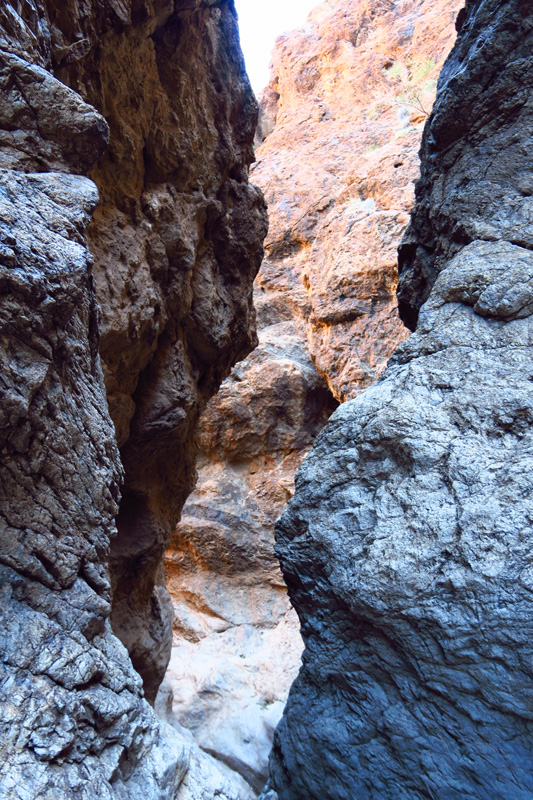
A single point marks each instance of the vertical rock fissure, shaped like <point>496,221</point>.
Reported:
<point>336,151</point>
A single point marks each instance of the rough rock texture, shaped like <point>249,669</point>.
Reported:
<point>338,167</point>
<point>177,242</point>
<point>407,546</point>
<point>72,713</point>
<point>236,643</point>
<point>338,171</point>
<point>480,197</point>
<point>73,720</point>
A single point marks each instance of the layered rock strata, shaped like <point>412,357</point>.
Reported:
<point>73,719</point>
<point>407,546</point>
<point>339,130</point>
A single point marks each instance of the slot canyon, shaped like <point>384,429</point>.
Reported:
<point>266,403</point>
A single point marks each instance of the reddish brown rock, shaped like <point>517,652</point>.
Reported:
<point>176,242</point>
<point>340,126</point>
<point>236,647</point>
<point>338,171</point>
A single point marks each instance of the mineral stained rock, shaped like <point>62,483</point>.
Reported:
<point>337,162</point>
<point>338,170</point>
<point>73,719</point>
<point>176,242</point>
<point>407,546</point>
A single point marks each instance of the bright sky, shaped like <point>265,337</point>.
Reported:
<point>260,24</point>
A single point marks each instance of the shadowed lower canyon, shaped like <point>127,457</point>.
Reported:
<point>177,374</point>
<point>337,165</point>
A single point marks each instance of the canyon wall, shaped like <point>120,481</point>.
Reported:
<point>150,99</point>
<point>176,242</point>
<point>340,127</point>
<point>407,546</point>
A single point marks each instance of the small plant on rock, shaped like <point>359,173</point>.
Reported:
<point>414,88</point>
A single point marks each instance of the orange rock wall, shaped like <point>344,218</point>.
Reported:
<point>339,168</point>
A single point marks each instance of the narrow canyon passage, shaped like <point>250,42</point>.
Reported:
<point>265,410</point>
<point>336,158</point>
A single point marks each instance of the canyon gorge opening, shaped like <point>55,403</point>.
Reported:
<point>169,365</point>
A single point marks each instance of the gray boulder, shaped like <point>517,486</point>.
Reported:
<point>407,548</point>
<point>74,722</point>
<point>72,716</point>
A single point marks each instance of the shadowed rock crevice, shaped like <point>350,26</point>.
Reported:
<point>338,163</point>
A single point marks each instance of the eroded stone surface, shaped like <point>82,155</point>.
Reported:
<point>176,241</point>
<point>71,705</point>
<point>407,546</point>
<point>482,195</point>
<point>73,719</point>
<point>237,647</point>
<point>353,89</point>
<point>337,162</point>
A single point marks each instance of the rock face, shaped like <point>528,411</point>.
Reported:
<point>354,87</point>
<point>456,206</point>
<point>338,166</point>
<point>177,242</point>
<point>71,704</point>
<point>73,720</point>
<point>407,546</point>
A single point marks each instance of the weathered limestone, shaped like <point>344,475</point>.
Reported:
<point>73,719</point>
<point>407,546</point>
